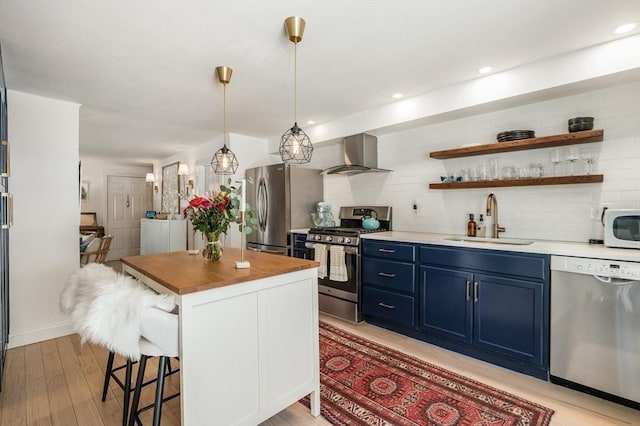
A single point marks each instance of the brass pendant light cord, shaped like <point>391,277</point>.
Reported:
<point>224,120</point>
<point>295,82</point>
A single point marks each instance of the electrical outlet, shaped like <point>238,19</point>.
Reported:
<point>416,211</point>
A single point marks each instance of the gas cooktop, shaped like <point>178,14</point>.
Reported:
<point>339,230</point>
<point>349,231</point>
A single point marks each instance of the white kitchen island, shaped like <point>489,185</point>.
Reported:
<point>248,337</point>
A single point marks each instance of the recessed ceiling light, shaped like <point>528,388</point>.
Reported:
<point>625,28</point>
<point>311,122</point>
<point>484,70</point>
<point>396,95</point>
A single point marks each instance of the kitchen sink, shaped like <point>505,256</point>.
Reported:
<point>508,241</point>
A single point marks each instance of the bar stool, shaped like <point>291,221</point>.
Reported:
<point>105,309</point>
<point>159,330</point>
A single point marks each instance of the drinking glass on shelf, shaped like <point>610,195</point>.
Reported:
<point>556,159</point>
<point>484,172</point>
<point>508,172</point>
<point>474,173</point>
<point>494,169</point>
<point>572,157</point>
<point>590,158</point>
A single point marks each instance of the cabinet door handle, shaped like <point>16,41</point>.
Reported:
<point>467,291</point>
<point>383,250</point>
<point>475,291</point>
<point>386,274</point>
<point>384,305</point>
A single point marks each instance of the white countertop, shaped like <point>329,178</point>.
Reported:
<point>560,248</point>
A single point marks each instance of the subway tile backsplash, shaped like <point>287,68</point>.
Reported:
<point>554,212</point>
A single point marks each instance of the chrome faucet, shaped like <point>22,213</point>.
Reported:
<point>492,210</point>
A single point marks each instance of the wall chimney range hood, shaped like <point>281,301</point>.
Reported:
<point>360,156</point>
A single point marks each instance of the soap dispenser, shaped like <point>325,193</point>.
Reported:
<point>471,226</point>
<point>481,231</point>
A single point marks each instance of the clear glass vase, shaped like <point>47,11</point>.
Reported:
<point>213,249</point>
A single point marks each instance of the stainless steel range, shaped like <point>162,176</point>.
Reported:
<point>338,251</point>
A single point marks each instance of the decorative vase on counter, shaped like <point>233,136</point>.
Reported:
<point>213,249</point>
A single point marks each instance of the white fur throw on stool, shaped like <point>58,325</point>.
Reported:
<point>105,307</point>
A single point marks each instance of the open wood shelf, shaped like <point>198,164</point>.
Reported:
<point>574,138</point>
<point>552,180</point>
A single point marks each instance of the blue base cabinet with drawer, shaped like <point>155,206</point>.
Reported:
<point>389,283</point>
<point>489,304</point>
<point>492,305</point>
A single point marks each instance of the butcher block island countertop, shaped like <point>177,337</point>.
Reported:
<point>182,273</point>
<point>248,337</point>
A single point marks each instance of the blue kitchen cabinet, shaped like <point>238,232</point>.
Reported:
<point>509,318</point>
<point>492,305</point>
<point>500,314</point>
<point>297,246</point>
<point>445,307</point>
<point>389,283</point>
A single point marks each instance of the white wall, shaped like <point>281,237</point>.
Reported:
<point>561,212</point>
<point>44,239</point>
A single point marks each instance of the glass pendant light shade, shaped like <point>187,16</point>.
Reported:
<point>224,161</point>
<point>295,146</point>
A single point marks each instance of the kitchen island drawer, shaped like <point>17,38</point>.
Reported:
<point>387,250</point>
<point>392,275</point>
<point>389,306</point>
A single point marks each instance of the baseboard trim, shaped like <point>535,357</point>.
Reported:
<point>34,336</point>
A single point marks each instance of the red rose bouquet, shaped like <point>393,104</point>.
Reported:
<point>213,215</point>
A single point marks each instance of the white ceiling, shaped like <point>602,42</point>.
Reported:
<point>144,70</point>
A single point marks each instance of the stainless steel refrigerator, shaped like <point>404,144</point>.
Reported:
<point>283,196</point>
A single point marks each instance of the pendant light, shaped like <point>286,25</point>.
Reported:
<point>224,161</point>
<point>295,145</point>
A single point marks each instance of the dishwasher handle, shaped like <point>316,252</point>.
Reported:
<point>614,281</point>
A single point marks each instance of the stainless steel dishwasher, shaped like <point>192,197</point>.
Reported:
<point>595,327</point>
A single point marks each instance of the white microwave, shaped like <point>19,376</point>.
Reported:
<point>622,228</point>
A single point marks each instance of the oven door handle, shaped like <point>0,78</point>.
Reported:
<point>347,249</point>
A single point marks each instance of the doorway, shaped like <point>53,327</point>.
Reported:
<point>127,202</point>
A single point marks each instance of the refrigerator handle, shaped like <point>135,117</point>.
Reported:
<point>262,208</point>
<point>9,210</point>
<point>6,169</point>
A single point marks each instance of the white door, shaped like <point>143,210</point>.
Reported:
<point>127,201</point>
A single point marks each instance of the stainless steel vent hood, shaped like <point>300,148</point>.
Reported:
<point>360,156</point>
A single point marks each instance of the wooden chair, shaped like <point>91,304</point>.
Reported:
<point>98,255</point>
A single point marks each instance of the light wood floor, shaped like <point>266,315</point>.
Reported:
<point>59,382</point>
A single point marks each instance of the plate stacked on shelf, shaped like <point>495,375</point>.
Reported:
<point>515,135</point>
<point>578,124</point>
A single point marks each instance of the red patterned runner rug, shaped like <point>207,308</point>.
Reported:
<point>364,383</point>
